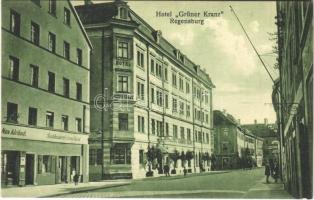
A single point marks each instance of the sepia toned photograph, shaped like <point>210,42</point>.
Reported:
<point>157,99</point>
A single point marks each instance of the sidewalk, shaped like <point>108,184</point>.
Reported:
<point>267,191</point>
<point>59,189</point>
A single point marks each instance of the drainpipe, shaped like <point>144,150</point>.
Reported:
<point>102,103</point>
<point>193,129</point>
<point>148,95</point>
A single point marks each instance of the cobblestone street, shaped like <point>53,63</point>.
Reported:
<point>233,184</point>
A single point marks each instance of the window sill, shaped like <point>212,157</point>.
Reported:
<point>46,174</point>
<point>53,14</point>
<point>68,25</point>
<point>122,58</point>
<point>142,68</point>
<point>37,4</point>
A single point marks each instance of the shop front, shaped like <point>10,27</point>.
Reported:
<point>49,158</point>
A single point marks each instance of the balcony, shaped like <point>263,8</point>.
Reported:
<point>123,96</point>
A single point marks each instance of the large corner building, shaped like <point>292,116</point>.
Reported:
<point>45,93</point>
<point>145,93</point>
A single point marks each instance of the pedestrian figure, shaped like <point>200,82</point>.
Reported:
<point>72,175</point>
<point>276,172</point>
<point>267,171</point>
<point>167,169</point>
<point>76,178</point>
<point>271,165</point>
<point>184,171</point>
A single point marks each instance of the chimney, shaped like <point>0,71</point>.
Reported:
<point>265,122</point>
<point>224,111</point>
<point>239,121</point>
<point>255,121</point>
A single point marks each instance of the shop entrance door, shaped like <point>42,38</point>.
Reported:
<point>63,169</point>
<point>29,169</point>
<point>9,168</point>
<point>75,166</point>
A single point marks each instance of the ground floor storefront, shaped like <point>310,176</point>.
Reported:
<point>50,158</point>
<point>140,159</point>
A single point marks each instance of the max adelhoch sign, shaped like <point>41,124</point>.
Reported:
<point>11,131</point>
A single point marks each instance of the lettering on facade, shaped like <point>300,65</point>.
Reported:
<point>124,63</point>
<point>60,137</point>
<point>13,132</point>
<point>44,136</point>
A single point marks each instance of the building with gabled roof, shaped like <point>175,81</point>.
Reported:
<point>234,145</point>
<point>45,93</point>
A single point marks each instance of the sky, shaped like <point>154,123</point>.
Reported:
<point>220,47</point>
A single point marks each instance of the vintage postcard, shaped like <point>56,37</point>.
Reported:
<point>156,99</point>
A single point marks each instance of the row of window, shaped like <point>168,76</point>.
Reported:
<point>160,101</point>
<point>13,115</point>
<point>52,9</point>
<point>201,95</point>
<point>156,69</point>
<point>158,129</point>
<point>200,115</point>
<point>15,23</point>
<point>14,75</point>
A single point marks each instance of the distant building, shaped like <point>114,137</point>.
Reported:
<point>45,93</point>
<point>153,96</point>
<point>233,143</point>
<point>293,95</point>
<point>270,137</point>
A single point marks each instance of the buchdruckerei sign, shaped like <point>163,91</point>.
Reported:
<point>19,132</point>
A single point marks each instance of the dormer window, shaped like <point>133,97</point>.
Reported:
<point>182,58</point>
<point>157,35</point>
<point>123,13</point>
<point>177,53</point>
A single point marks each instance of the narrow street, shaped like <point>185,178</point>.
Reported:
<point>233,184</point>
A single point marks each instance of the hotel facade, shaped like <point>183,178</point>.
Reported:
<point>145,94</point>
<point>45,93</point>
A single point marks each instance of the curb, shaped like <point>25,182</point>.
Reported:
<point>84,190</point>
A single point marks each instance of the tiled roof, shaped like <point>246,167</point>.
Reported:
<point>148,31</point>
<point>261,130</point>
<point>220,116</point>
<point>96,13</point>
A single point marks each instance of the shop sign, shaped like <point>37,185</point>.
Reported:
<point>18,132</point>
